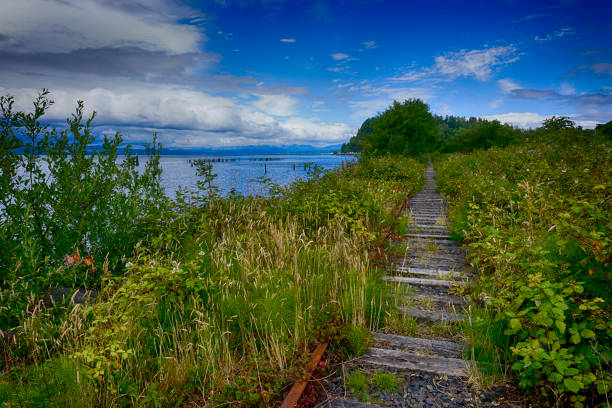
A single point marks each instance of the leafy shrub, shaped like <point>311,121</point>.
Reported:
<point>536,218</point>
<point>67,209</point>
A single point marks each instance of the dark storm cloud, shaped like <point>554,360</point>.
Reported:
<point>129,62</point>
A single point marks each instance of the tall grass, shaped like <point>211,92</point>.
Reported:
<point>224,303</point>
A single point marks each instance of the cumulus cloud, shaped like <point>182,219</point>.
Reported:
<point>194,116</point>
<point>591,107</point>
<point>523,120</point>
<point>287,40</point>
<point>69,25</point>
<point>277,105</point>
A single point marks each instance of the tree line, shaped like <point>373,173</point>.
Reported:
<point>410,129</point>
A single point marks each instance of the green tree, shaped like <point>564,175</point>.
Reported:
<point>483,135</point>
<point>558,123</point>
<point>354,144</point>
<point>406,128</point>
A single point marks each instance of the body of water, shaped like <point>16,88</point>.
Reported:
<point>240,172</point>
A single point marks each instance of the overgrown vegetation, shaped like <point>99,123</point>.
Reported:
<point>537,220</point>
<point>203,299</point>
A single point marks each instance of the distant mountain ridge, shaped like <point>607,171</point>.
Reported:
<point>240,150</point>
<point>230,150</point>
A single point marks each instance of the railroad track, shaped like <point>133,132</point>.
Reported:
<point>435,371</point>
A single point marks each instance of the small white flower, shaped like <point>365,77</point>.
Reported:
<point>175,269</point>
<point>201,253</point>
<point>129,264</point>
<point>229,265</point>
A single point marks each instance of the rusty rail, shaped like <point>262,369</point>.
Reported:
<point>292,399</point>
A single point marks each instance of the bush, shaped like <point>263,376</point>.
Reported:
<point>68,211</point>
<point>536,218</point>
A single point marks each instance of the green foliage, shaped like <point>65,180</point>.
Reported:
<point>561,338</point>
<point>66,209</point>
<point>56,383</point>
<point>354,144</point>
<point>406,129</point>
<point>557,123</point>
<point>536,218</point>
<point>358,383</point>
<point>604,130</point>
<point>386,382</point>
<point>482,135</point>
<point>362,385</point>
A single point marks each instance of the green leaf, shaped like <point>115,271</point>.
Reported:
<point>575,338</point>
<point>560,325</point>
<point>571,371</point>
<point>588,334</point>
<point>515,323</point>
<point>571,384</point>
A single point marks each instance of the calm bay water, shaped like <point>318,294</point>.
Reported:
<point>240,173</point>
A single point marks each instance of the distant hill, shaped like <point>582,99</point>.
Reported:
<point>231,150</point>
<point>240,150</point>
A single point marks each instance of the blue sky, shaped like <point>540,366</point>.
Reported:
<point>274,72</point>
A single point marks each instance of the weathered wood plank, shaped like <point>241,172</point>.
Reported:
<point>423,282</point>
<point>419,345</point>
<point>402,360</point>
<point>422,315</point>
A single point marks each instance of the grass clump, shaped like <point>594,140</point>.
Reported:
<point>362,385</point>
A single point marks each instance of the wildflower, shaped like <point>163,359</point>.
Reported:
<point>68,260</point>
<point>175,269</point>
<point>201,253</point>
<point>129,264</point>
<point>88,261</point>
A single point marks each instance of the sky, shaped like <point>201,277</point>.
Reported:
<point>220,73</point>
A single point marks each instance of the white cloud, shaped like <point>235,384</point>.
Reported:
<point>507,85</point>
<point>476,63</point>
<point>368,45</point>
<point>339,56</point>
<point>562,32</point>
<point>287,40</point>
<point>567,89</point>
<point>277,105</point>
<point>523,120</point>
<point>188,118</point>
<point>377,99</point>
<point>410,76</point>
<point>68,25</point>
